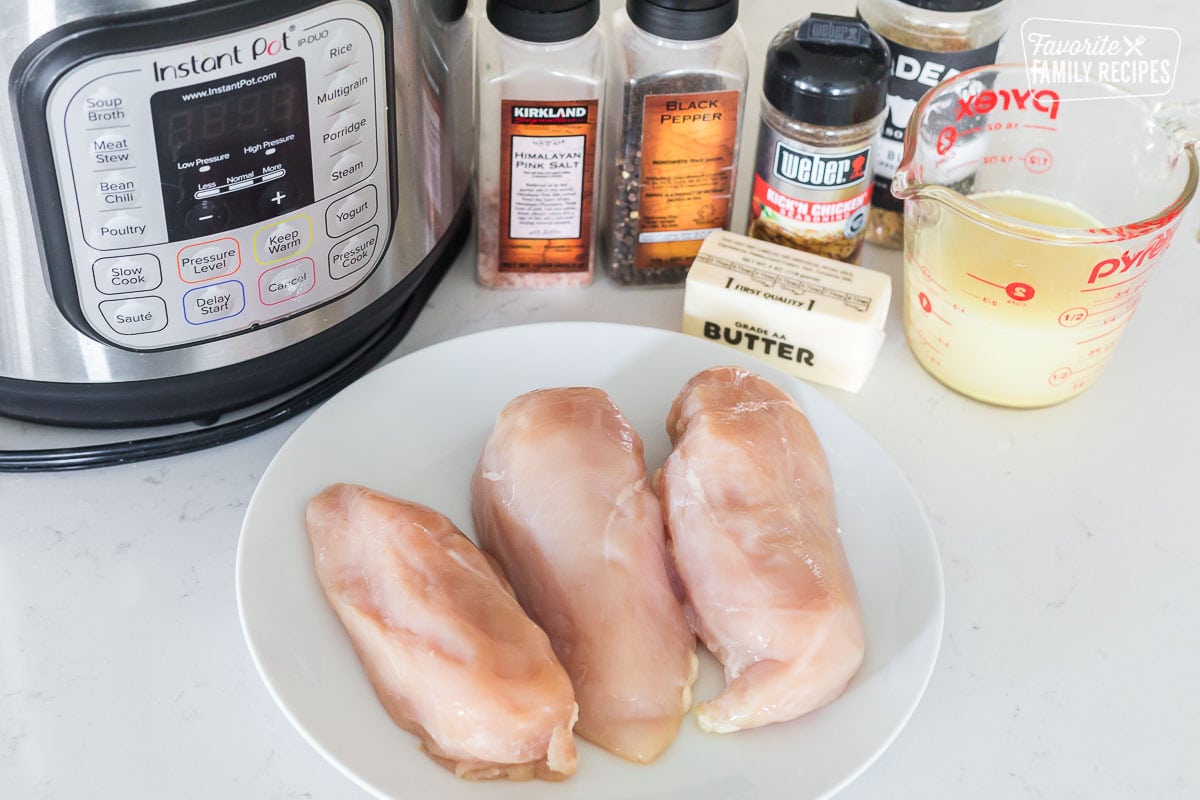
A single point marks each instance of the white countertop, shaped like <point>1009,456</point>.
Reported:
<point>1069,664</point>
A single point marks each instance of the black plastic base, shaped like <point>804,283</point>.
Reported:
<point>203,397</point>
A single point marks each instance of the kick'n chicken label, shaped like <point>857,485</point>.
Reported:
<point>806,197</point>
<point>547,185</point>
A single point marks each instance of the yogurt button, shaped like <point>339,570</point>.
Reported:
<point>135,315</point>
<point>352,211</point>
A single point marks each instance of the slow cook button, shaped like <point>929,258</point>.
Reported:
<point>282,240</point>
<point>353,254</point>
<point>124,274</point>
<point>211,303</point>
<point>351,211</point>
<point>208,260</point>
<point>135,315</point>
<point>118,231</point>
<point>287,282</point>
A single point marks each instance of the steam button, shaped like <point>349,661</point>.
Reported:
<point>135,315</point>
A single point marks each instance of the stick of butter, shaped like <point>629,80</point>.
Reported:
<point>816,318</point>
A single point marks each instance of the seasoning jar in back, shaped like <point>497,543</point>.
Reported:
<point>676,100</point>
<point>930,40</point>
<point>541,71</point>
<point>824,92</point>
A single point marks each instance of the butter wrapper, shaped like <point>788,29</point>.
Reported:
<point>810,316</point>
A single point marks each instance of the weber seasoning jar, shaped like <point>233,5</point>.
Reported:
<point>824,93</point>
<point>930,40</point>
<point>541,71</point>
<point>676,98</point>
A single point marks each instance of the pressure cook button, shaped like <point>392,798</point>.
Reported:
<point>118,231</point>
<point>104,107</point>
<point>117,191</point>
<point>211,303</point>
<point>135,315</point>
<point>353,254</point>
<point>353,210</point>
<point>283,240</point>
<point>350,168</point>
<point>206,218</point>
<point>124,274</point>
<point>286,282</point>
<point>208,260</point>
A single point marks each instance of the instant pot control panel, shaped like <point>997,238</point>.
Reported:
<point>211,187</point>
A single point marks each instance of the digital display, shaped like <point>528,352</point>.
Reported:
<point>234,151</point>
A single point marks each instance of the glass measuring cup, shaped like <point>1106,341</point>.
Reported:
<point>1032,219</point>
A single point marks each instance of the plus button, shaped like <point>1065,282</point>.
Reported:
<point>278,198</point>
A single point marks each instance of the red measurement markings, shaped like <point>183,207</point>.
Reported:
<point>1111,285</point>
<point>1050,128</point>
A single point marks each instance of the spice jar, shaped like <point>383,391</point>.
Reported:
<point>824,92</point>
<point>541,68</point>
<point>676,98</point>
<point>930,40</point>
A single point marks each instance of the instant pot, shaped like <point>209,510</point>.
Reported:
<point>208,204</point>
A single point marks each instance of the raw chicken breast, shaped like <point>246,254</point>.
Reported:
<point>753,531</point>
<point>560,499</point>
<point>451,655</point>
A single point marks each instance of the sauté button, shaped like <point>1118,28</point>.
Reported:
<point>135,315</point>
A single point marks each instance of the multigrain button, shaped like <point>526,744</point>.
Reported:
<point>282,240</point>
<point>124,274</point>
<point>211,303</point>
<point>345,90</point>
<point>287,281</point>
<point>135,315</point>
<point>353,254</point>
<point>118,231</point>
<point>208,260</point>
<point>352,211</point>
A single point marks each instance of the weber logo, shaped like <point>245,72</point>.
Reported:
<point>524,115</point>
<point>820,172</point>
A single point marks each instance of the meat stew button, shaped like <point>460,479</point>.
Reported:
<point>353,254</point>
<point>135,315</point>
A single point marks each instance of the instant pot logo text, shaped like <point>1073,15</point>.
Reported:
<point>1044,100</point>
<point>1131,261</point>
<point>202,64</point>
<point>813,171</point>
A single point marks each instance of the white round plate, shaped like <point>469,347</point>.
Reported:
<point>415,427</point>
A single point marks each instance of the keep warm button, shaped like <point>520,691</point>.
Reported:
<point>211,303</point>
<point>283,240</point>
<point>353,254</point>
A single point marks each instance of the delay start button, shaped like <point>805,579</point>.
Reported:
<point>208,260</point>
<point>211,303</point>
<point>353,254</point>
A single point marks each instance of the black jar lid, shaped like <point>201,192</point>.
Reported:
<point>952,6</point>
<point>683,20</point>
<point>543,21</point>
<point>827,70</point>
